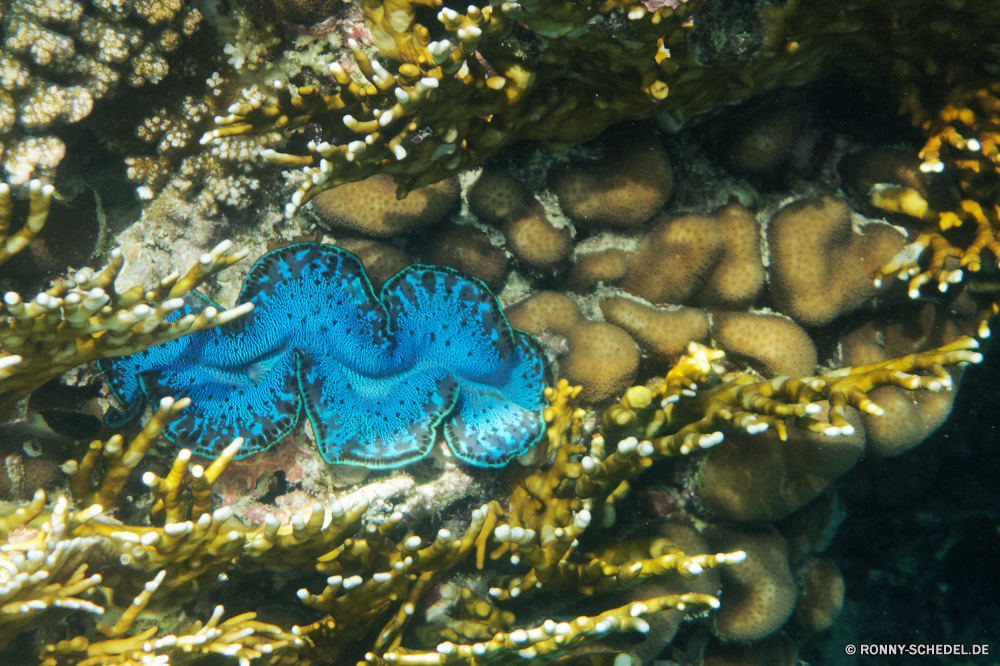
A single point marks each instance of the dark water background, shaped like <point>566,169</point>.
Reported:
<point>920,549</point>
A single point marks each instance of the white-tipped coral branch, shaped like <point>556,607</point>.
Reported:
<point>83,318</point>
<point>551,640</point>
<point>41,199</point>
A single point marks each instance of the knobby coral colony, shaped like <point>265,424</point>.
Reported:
<point>554,525</point>
<point>376,376</point>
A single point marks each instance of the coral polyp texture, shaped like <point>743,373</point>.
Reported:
<point>377,376</point>
<point>58,58</point>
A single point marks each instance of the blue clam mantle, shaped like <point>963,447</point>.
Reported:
<point>376,376</point>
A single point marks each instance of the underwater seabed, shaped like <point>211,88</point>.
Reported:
<point>918,544</point>
<point>918,548</point>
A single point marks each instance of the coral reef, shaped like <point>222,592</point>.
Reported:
<point>84,318</point>
<point>189,544</point>
<point>961,139</point>
<point>185,545</point>
<point>692,278</point>
<point>709,281</point>
<point>59,58</point>
<point>370,207</point>
<point>447,94</point>
<point>391,122</point>
<point>937,538</point>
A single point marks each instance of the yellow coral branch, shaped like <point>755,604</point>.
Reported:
<point>78,321</point>
<point>40,197</point>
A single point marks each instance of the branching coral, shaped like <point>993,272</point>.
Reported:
<point>192,547</point>
<point>690,408</point>
<point>539,531</point>
<point>962,137</point>
<point>687,410</point>
<point>385,568</point>
<point>404,571</point>
<point>183,552</point>
<point>41,199</point>
<point>452,102</point>
<point>240,639</point>
<point>512,72</point>
<point>84,318</point>
<point>52,573</point>
<point>220,174</point>
<point>419,109</point>
<point>542,529</point>
<point>45,568</point>
<point>547,642</point>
